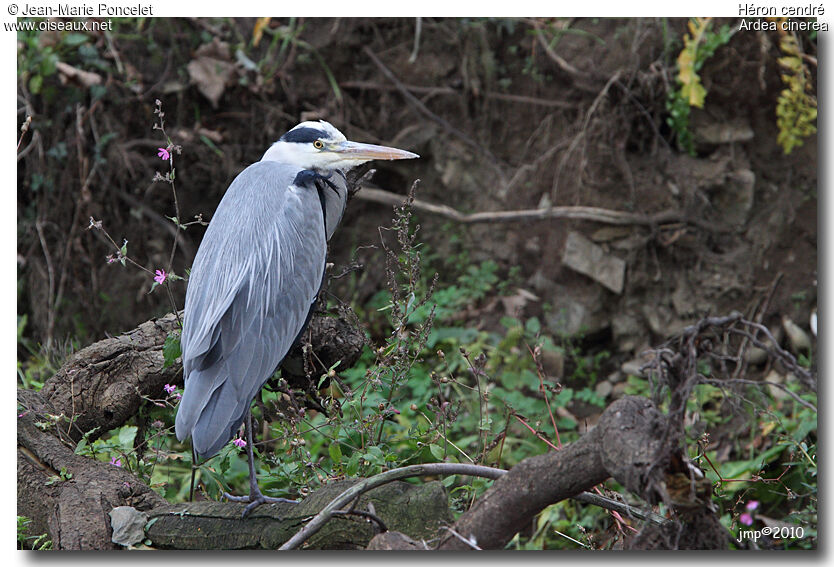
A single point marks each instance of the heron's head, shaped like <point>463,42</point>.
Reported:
<point>320,146</point>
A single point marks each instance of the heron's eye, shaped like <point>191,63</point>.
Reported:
<point>318,144</point>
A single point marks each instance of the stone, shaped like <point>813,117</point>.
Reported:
<point>618,391</point>
<point>541,283</point>
<point>585,257</point>
<point>395,541</point>
<point>632,367</point>
<point>627,331</point>
<point>576,310</point>
<point>609,233</point>
<point>128,525</point>
<point>662,320</point>
<point>683,298</point>
<point>615,377</point>
<point>603,388</point>
<point>724,132</point>
<point>734,198</point>
<point>756,355</point>
<point>800,340</point>
<point>776,378</point>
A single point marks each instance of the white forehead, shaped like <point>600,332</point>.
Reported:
<point>331,131</point>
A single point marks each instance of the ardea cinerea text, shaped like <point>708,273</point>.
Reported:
<point>255,279</point>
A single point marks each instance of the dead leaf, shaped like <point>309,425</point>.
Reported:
<point>514,304</point>
<point>258,32</point>
<point>211,70</point>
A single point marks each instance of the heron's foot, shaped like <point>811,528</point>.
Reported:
<point>256,500</point>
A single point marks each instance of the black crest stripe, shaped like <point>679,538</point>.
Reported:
<point>303,135</point>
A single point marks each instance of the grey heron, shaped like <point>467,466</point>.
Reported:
<point>256,277</point>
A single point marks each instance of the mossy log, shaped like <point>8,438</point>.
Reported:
<point>416,510</point>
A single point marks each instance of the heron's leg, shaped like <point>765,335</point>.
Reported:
<point>256,497</point>
<point>193,473</point>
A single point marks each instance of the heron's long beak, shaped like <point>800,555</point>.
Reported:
<point>356,150</point>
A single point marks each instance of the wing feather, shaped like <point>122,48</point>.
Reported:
<point>256,274</point>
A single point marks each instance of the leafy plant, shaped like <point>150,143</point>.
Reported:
<point>796,108</point>
<point>698,46</point>
<point>25,541</point>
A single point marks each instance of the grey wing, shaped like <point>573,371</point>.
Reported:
<point>256,274</point>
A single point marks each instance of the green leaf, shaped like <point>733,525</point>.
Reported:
<point>533,325</point>
<point>335,451</point>
<point>437,451</point>
<point>207,141</point>
<point>73,39</point>
<point>176,221</point>
<point>126,436</point>
<point>353,464</point>
<point>35,84</point>
<point>172,349</point>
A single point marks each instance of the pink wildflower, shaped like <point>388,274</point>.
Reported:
<point>169,388</point>
<point>164,154</point>
<point>116,462</point>
<point>752,505</point>
<point>239,442</point>
<point>160,276</point>
<point>746,519</point>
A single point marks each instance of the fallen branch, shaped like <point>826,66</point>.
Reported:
<point>626,444</point>
<point>103,385</point>
<point>416,510</point>
<point>595,214</point>
<point>66,495</point>
<point>507,97</point>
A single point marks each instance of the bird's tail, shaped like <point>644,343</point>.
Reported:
<point>210,416</point>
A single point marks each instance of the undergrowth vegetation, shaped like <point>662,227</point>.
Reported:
<point>436,390</point>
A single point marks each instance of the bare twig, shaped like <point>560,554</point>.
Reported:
<point>50,271</point>
<point>416,49</point>
<point>534,432</point>
<point>467,541</point>
<point>741,364</point>
<point>760,384</point>
<point>583,132</point>
<point>621,507</point>
<point>363,514</point>
<point>167,225</point>
<point>555,57</point>
<point>23,129</point>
